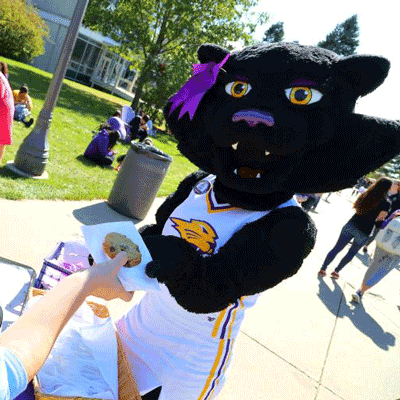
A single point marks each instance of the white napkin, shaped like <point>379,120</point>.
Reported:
<point>84,359</point>
<point>131,278</point>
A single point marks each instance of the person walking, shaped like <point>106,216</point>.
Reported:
<point>371,206</point>
<point>394,199</point>
<point>382,263</point>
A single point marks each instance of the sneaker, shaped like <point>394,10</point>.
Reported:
<point>29,123</point>
<point>321,272</point>
<point>357,296</point>
<point>334,275</point>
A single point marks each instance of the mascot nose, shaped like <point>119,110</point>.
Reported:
<point>254,117</point>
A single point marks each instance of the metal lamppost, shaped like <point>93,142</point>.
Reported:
<point>32,156</point>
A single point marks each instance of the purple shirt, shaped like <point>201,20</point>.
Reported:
<point>387,220</point>
<point>99,145</point>
<point>118,125</point>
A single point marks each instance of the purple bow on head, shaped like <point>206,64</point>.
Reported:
<point>191,93</point>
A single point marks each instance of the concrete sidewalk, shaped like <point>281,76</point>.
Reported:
<point>304,340</point>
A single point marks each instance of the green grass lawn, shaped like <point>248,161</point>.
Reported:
<point>79,111</point>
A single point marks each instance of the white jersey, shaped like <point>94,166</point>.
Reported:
<point>187,353</point>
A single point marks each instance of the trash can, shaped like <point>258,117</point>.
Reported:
<point>141,174</point>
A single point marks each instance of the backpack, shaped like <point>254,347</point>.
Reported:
<point>388,238</point>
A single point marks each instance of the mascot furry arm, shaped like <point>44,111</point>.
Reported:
<point>268,121</point>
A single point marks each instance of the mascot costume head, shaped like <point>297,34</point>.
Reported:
<point>275,119</point>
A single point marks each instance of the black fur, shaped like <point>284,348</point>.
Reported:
<point>320,147</point>
<point>255,259</point>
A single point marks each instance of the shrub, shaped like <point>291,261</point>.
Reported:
<point>22,31</point>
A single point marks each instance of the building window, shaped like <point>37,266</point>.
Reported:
<point>83,60</point>
<point>79,49</point>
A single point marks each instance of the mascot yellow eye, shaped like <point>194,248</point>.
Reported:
<point>303,95</point>
<point>237,89</point>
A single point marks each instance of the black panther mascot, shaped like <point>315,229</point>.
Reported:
<point>262,124</point>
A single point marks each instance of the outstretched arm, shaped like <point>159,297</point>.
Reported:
<point>256,258</point>
<point>32,337</point>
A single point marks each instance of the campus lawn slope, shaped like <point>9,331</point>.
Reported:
<point>79,111</point>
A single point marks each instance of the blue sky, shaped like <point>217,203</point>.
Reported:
<point>309,21</point>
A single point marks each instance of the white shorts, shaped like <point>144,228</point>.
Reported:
<point>179,381</point>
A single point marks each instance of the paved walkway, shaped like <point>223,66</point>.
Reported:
<point>304,340</point>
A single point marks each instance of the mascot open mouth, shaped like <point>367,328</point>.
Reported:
<point>257,162</point>
<point>254,161</point>
<point>246,172</point>
<point>252,172</point>
<point>257,174</point>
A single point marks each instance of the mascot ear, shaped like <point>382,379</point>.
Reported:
<point>363,73</point>
<point>211,52</point>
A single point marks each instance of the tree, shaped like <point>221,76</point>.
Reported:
<point>275,33</point>
<point>166,78</point>
<point>22,31</point>
<point>154,32</point>
<point>343,40</point>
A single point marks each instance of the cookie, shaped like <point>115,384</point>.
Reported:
<point>114,243</point>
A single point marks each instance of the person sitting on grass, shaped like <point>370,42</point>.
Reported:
<point>116,123</point>
<point>100,149</point>
<point>139,127</point>
<point>23,106</point>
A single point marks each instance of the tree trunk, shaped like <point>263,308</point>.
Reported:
<point>141,81</point>
<point>156,49</point>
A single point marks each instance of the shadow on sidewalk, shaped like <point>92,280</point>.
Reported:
<point>100,213</point>
<point>335,302</point>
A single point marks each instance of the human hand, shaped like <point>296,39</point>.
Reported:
<point>101,280</point>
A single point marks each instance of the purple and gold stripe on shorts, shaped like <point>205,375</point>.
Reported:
<point>226,319</point>
<point>223,330</point>
<point>226,363</point>
<point>223,355</point>
<point>230,319</point>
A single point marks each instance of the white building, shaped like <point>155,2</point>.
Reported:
<point>91,62</point>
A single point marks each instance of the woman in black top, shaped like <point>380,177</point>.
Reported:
<point>371,207</point>
<point>394,201</point>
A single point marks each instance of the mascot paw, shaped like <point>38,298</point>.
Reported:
<point>154,269</point>
<point>172,257</point>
